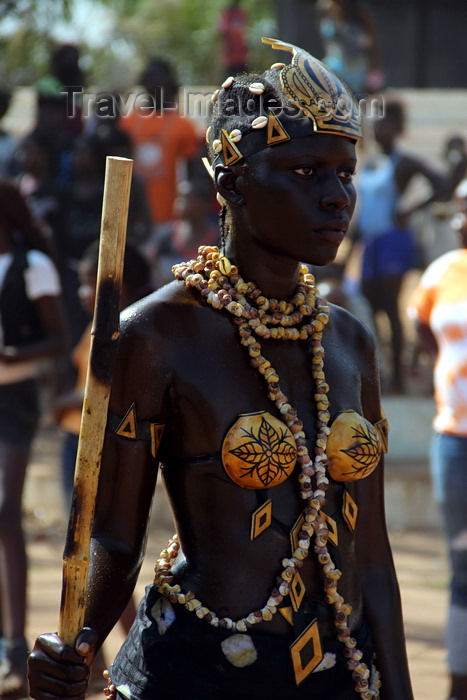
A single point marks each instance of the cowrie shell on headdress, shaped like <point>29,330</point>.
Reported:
<point>217,145</point>
<point>256,88</point>
<point>228,82</point>
<point>214,97</point>
<point>208,134</point>
<point>278,65</point>
<point>259,122</point>
<point>235,135</point>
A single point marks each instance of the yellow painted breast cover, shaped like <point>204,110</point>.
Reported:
<point>258,451</point>
<point>354,447</point>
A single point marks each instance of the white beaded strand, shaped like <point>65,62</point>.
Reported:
<point>218,281</point>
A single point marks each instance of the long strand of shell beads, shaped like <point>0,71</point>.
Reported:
<point>220,284</point>
<point>110,691</point>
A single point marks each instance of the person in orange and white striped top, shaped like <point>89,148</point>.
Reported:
<point>439,308</point>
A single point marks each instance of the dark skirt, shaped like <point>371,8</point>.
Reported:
<point>19,412</point>
<point>187,662</point>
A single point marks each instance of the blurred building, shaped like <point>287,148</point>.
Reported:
<point>421,41</point>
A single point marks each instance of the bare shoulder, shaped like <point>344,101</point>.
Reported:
<point>150,329</point>
<point>150,316</point>
<point>350,337</point>
<point>351,330</point>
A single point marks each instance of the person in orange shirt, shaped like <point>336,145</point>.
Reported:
<point>162,138</point>
<point>438,307</point>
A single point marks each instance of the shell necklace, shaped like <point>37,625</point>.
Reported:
<point>303,317</point>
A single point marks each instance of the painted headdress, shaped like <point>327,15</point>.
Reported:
<point>311,90</point>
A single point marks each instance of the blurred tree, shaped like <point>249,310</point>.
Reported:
<point>21,8</point>
<point>185,31</point>
<point>26,39</point>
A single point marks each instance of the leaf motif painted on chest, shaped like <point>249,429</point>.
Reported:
<point>250,452</point>
<point>268,436</point>
<point>268,454</point>
<point>365,451</point>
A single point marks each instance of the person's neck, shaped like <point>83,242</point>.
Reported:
<point>388,148</point>
<point>276,276</point>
